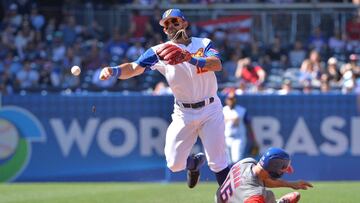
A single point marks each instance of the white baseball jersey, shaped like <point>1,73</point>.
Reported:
<point>242,186</point>
<point>232,128</point>
<point>191,84</point>
<point>235,131</point>
<point>188,83</point>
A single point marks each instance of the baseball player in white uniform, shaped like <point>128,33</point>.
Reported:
<point>238,129</point>
<point>247,180</point>
<point>188,64</point>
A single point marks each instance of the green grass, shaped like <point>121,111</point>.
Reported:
<point>327,192</point>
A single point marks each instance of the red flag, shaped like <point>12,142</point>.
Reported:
<point>239,24</point>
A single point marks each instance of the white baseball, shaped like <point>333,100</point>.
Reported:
<point>75,70</point>
<point>9,139</point>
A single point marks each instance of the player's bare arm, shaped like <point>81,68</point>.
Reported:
<point>271,183</point>
<point>127,70</point>
<point>303,185</point>
<point>213,64</point>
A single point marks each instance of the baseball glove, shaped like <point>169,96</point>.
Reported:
<point>173,54</point>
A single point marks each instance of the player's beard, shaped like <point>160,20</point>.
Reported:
<point>178,35</point>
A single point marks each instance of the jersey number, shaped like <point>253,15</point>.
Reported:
<point>225,191</point>
<point>200,70</point>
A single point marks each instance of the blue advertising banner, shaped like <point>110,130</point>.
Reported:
<point>112,137</point>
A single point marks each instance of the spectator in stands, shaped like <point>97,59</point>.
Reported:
<point>37,20</point>
<point>229,69</point>
<point>27,77</point>
<point>251,73</point>
<point>58,48</point>
<point>348,79</point>
<point>353,30</point>
<point>317,40</point>
<point>297,54</point>
<point>307,87</point>
<point>137,26</point>
<point>324,87</point>
<point>309,73</point>
<point>219,36</point>
<point>15,19</point>
<point>50,29</point>
<point>332,72</point>
<point>286,88</point>
<point>22,27</point>
<point>31,52</point>
<point>241,88</point>
<point>337,42</point>
<point>355,67</point>
<point>94,57</point>
<point>8,38</point>
<point>47,78</point>
<point>25,36</point>
<point>315,59</point>
<point>6,82</point>
<point>135,51</point>
<point>256,52</point>
<point>71,59</point>
<point>12,63</point>
<point>276,55</point>
<point>261,89</point>
<point>24,6</point>
<point>117,45</point>
<point>93,31</point>
<point>70,30</point>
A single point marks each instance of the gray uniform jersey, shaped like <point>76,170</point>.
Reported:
<point>241,185</point>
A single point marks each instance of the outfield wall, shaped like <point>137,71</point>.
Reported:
<point>109,137</point>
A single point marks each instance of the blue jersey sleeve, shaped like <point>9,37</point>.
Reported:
<point>147,59</point>
<point>211,51</point>
<point>247,119</point>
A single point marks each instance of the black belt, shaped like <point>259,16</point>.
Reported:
<point>195,105</point>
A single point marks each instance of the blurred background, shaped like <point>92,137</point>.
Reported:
<point>303,46</point>
<point>302,95</point>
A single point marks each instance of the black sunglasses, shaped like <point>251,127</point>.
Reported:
<point>173,21</point>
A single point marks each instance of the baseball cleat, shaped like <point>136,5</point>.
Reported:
<point>292,197</point>
<point>193,168</point>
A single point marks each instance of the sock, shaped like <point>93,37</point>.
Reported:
<point>221,176</point>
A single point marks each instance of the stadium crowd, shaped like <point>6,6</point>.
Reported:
<point>38,51</point>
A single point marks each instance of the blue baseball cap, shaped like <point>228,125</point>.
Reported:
<point>172,13</point>
<point>276,162</point>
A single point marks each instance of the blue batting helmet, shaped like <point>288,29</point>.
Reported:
<point>276,162</point>
<point>172,13</point>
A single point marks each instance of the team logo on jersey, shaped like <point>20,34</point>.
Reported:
<point>18,128</point>
<point>198,53</point>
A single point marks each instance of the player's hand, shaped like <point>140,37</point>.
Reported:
<point>105,73</point>
<point>303,185</point>
<point>173,54</point>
